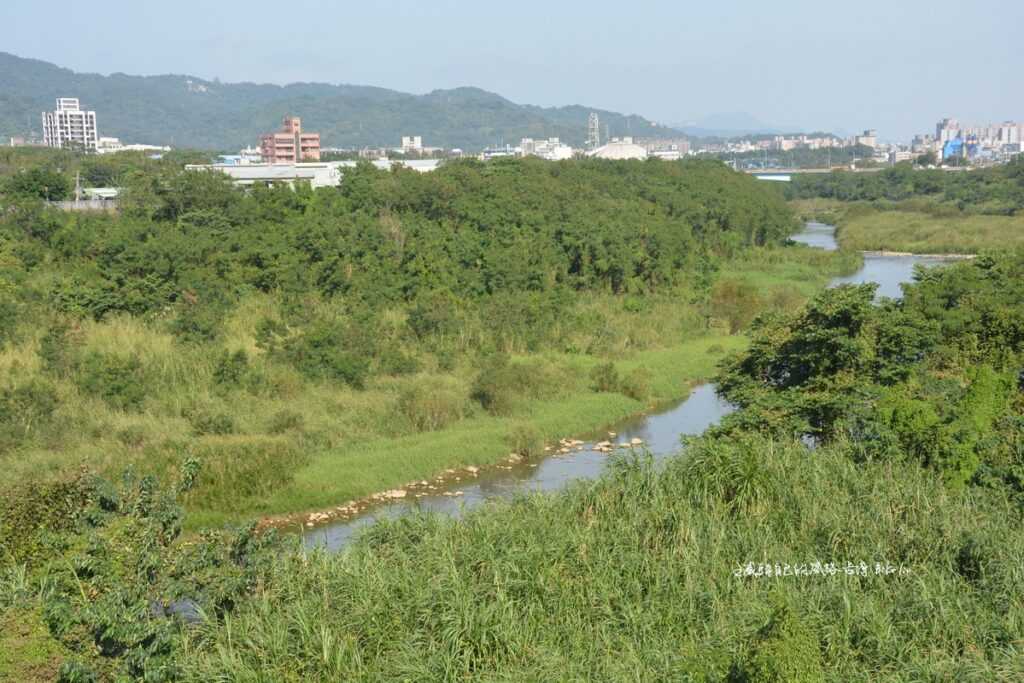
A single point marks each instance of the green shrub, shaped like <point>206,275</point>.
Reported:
<point>320,353</point>
<point>637,384</point>
<point>118,380</point>
<point>238,470</point>
<point>285,421</point>
<point>394,361</point>
<point>30,510</point>
<point>501,383</point>
<point>56,348</point>
<point>432,404</point>
<point>212,422</point>
<point>231,368</point>
<point>27,407</point>
<point>785,651</point>
<point>133,436</point>
<point>525,439</point>
<point>605,377</point>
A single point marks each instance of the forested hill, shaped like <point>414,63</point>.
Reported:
<point>186,111</point>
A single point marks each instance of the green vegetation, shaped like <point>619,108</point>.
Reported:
<point>927,233</point>
<point>298,348</point>
<point>998,190</point>
<point>316,347</point>
<point>897,538</point>
<point>922,211</point>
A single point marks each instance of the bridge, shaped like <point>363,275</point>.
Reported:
<point>786,174</point>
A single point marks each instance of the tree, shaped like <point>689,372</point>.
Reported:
<point>40,183</point>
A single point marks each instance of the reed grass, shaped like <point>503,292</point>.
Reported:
<point>632,577</point>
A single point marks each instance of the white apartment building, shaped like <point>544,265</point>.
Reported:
<point>69,126</point>
<point>551,149</point>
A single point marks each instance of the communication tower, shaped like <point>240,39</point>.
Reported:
<point>593,131</point>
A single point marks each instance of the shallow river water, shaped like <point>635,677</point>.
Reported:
<point>661,432</point>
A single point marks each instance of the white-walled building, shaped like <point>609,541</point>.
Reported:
<point>551,149</point>
<point>412,143</point>
<point>70,127</point>
<point>620,148</point>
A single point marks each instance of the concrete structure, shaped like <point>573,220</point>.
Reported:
<point>114,145</point>
<point>551,149</point>
<point>412,143</point>
<point>619,148</point>
<point>317,174</point>
<point>68,127</point>
<point>290,145</point>
<point>868,138</point>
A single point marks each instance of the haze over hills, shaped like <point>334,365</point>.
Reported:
<point>186,111</point>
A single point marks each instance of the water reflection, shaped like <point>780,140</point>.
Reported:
<point>661,433</point>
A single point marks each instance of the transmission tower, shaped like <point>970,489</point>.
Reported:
<point>593,131</point>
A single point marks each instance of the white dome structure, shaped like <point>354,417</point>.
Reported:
<point>623,148</point>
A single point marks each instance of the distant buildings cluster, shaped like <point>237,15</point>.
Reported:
<point>69,126</point>
<point>990,142</point>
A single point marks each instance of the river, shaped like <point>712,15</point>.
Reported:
<point>660,432</point>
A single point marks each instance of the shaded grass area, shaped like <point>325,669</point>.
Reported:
<point>923,233</point>
<point>632,577</point>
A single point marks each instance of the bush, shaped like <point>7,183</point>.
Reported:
<point>27,406</point>
<point>119,380</point>
<point>500,384</point>
<point>284,421</point>
<point>605,377</point>
<point>320,353</point>
<point>737,302</point>
<point>56,348</point>
<point>231,368</point>
<point>210,422</point>
<point>637,384</point>
<point>133,436</point>
<point>525,439</point>
<point>240,468</point>
<point>785,651</point>
<point>394,361</point>
<point>433,404</point>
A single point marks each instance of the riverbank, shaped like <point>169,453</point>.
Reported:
<point>346,483</point>
<point>913,228</point>
<point>345,480</point>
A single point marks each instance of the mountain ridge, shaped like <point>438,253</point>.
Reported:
<point>188,111</point>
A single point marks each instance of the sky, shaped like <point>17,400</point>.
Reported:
<point>897,66</point>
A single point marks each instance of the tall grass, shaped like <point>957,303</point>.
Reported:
<point>633,577</point>
<point>923,233</point>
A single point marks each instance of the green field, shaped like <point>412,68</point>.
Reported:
<point>922,233</point>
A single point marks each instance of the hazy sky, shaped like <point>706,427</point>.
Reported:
<point>896,65</point>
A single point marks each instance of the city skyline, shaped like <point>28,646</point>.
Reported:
<point>793,65</point>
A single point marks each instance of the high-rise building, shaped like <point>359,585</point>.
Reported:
<point>290,145</point>
<point>412,144</point>
<point>68,127</point>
